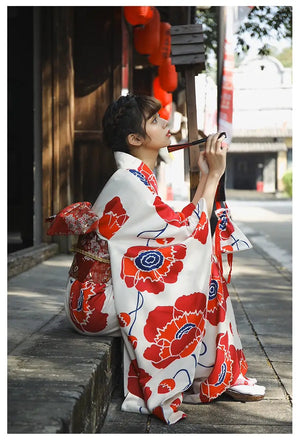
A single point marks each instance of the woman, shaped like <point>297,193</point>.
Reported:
<point>154,276</point>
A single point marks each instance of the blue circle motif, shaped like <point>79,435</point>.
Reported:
<point>213,290</point>
<point>149,260</point>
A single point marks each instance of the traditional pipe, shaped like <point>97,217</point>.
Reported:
<point>173,148</point>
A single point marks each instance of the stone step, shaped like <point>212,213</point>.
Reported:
<point>63,382</point>
<point>58,380</point>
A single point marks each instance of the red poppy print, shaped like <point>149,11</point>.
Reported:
<point>222,374</point>
<point>124,319</point>
<point>175,331</point>
<point>242,361</point>
<point>165,386</point>
<point>150,177</point>
<point>164,241</point>
<point>175,404</point>
<point>202,229</point>
<point>178,219</point>
<point>148,269</point>
<point>224,224</point>
<point>217,296</point>
<point>86,301</point>
<point>137,378</point>
<point>239,363</point>
<point>113,218</point>
<point>133,340</point>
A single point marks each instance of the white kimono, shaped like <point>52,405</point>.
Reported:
<point>166,295</point>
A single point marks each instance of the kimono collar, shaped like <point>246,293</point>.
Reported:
<point>137,167</point>
<point>126,161</point>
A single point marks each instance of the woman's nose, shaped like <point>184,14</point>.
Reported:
<point>164,122</point>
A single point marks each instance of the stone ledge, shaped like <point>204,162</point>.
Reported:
<point>63,382</point>
<point>23,260</point>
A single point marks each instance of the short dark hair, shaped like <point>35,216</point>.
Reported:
<point>128,114</point>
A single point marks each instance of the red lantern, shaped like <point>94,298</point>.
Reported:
<point>160,94</point>
<point>168,77</point>
<point>166,111</point>
<point>138,15</point>
<point>147,38</point>
<point>164,49</point>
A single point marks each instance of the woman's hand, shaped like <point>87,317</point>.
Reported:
<point>212,164</point>
<point>213,159</point>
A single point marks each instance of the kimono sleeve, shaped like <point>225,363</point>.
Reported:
<point>129,207</point>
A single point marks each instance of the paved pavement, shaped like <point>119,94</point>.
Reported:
<point>268,224</point>
<point>262,300</point>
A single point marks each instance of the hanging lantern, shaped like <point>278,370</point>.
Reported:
<point>164,49</point>
<point>166,111</point>
<point>138,15</point>
<point>160,94</point>
<point>168,77</point>
<point>147,38</point>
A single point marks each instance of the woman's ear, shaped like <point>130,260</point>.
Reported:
<point>134,139</point>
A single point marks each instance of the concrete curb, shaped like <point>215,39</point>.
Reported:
<point>63,382</point>
<point>23,260</point>
<point>58,380</point>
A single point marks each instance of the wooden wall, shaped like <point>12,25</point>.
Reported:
<point>57,108</point>
<point>81,75</point>
<point>98,75</point>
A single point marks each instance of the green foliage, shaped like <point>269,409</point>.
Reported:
<point>287,180</point>
<point>262,22</point>
<point>285,57</point>
<point>208,19</point>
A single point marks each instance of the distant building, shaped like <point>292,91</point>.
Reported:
<point>261,148</point>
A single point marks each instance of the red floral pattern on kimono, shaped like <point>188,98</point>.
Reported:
<point>228,364</point>
<point>137,380</point>
<point>175,331</point>
<point>86,302</point>
<point>174,218</point>
<point>149,176</point>
<point>114,216</point>
<point>148,269</point>
<point>202,229</point>
<point>218,294</point>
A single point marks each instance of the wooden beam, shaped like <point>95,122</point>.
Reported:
<point>187,54</point>
<point>192,128</point>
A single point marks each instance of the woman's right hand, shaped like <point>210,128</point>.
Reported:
<point>215,155</point>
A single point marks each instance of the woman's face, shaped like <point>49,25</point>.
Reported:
<point>158,133</point>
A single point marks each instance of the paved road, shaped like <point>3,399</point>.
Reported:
<point>268,224</point>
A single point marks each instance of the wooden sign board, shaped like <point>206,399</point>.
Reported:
<point>187,47</point>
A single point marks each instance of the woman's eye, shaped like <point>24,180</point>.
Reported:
<point>155,119</point>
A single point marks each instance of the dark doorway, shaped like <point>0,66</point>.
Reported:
<point>20,128</point>
<point>245,173</point>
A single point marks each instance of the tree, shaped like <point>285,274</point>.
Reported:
<point>285,57</point>
<point>261,23</point>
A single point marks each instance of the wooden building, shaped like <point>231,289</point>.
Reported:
<point>65,65</point>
